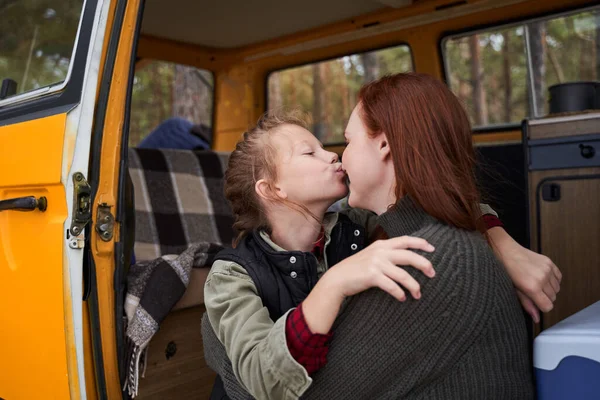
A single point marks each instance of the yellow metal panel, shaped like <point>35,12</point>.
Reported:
<point>151,47</point>
<point>103,252</point>
<point>33,346</point>
<point>90,377</point>
<point>31,150</point>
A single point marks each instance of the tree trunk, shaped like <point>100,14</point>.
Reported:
<point>479,100</point>
<point>318,102</point>
<point>371,65</point>
<point>464,85</point>
<point>597,45</point>
<point>507,78</point>
<point>160,114</point>
<point>345,93</point>
<point>192,99</point>
<point>560,75</point>
<point>327,103</point>
<point>537,40</point>
<point>275,100</point>
<point>293,77</point>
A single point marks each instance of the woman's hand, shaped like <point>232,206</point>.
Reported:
<point>535,276</point>
<point>375,266</point>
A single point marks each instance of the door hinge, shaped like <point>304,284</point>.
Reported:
<point>77,242</point>
<point>82,204</point>
<point>105,222</point>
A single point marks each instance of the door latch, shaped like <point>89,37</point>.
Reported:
<point>82,204</point>
<point>551,192</point>
<point>105,222</point>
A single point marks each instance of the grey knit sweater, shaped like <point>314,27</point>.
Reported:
<point>464,339</point>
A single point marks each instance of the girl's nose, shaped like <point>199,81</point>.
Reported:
<point>334,158</point>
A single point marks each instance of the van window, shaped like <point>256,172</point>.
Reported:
<point>495,71</point>
<point>37,38</point>
<point>488,73</point>
<point>167,92</point>
<point>563,49</point>
<point>327,90</point>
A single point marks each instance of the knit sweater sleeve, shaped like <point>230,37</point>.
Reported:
<point>384,348</point>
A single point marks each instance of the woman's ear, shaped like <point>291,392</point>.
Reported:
<point>383,146</point>
<point>267,191</point>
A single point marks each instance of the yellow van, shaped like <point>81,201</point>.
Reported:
<point>85,83</point>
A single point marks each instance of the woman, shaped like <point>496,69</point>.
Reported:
<point>410,159</point>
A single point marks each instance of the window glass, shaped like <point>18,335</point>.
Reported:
<point>174,98</point>
<point>36,41</point>
<point>564,49</point>
<point>488,73</point>
<point>327,90</point>
<point>494,72</point>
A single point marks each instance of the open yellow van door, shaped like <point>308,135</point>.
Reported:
<point>54,57</point>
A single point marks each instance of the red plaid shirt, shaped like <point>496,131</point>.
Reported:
<point>310,349</point>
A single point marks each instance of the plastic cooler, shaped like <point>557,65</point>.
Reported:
<point>566,357</point>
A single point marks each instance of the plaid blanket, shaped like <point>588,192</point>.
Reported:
<point>179,200</point>
<point>182,219</point>
<point>153,289</point>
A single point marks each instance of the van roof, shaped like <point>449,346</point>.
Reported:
<point>239,23</point>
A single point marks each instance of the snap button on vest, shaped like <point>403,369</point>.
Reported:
<point>353,246</point>
<point>357,233</point>
<point>293,274</point>
<point>293,261</point>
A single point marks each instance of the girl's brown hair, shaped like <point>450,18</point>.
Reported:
<point>430,141</point>
<point>255,158</point>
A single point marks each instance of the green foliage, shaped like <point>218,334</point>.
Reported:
<point>341,80</point>
<point>151,99</point>
<point>36,40</point>
<point>568,52</point>
<point>157,96</point>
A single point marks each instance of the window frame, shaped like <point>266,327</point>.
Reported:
<point>61,95</point>
<point>507,24</point>
<point>335,57</point>
<point>213,114</point>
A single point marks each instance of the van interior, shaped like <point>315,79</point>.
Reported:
<point>204,72</point>
<point>501,58</point>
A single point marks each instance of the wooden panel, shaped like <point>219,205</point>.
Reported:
<point>176,367</point>
<point>568,125</point>
<point>534,178</point>
<point>570,233</point>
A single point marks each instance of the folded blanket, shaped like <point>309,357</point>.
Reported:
<point>153,288</point>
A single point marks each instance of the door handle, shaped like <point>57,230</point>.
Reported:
<point>28,203</point>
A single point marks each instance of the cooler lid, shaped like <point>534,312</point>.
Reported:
<point>578,335</point>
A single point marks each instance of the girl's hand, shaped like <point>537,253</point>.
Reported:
<point>377,266</point>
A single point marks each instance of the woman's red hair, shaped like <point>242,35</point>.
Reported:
<point>429,135</point>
